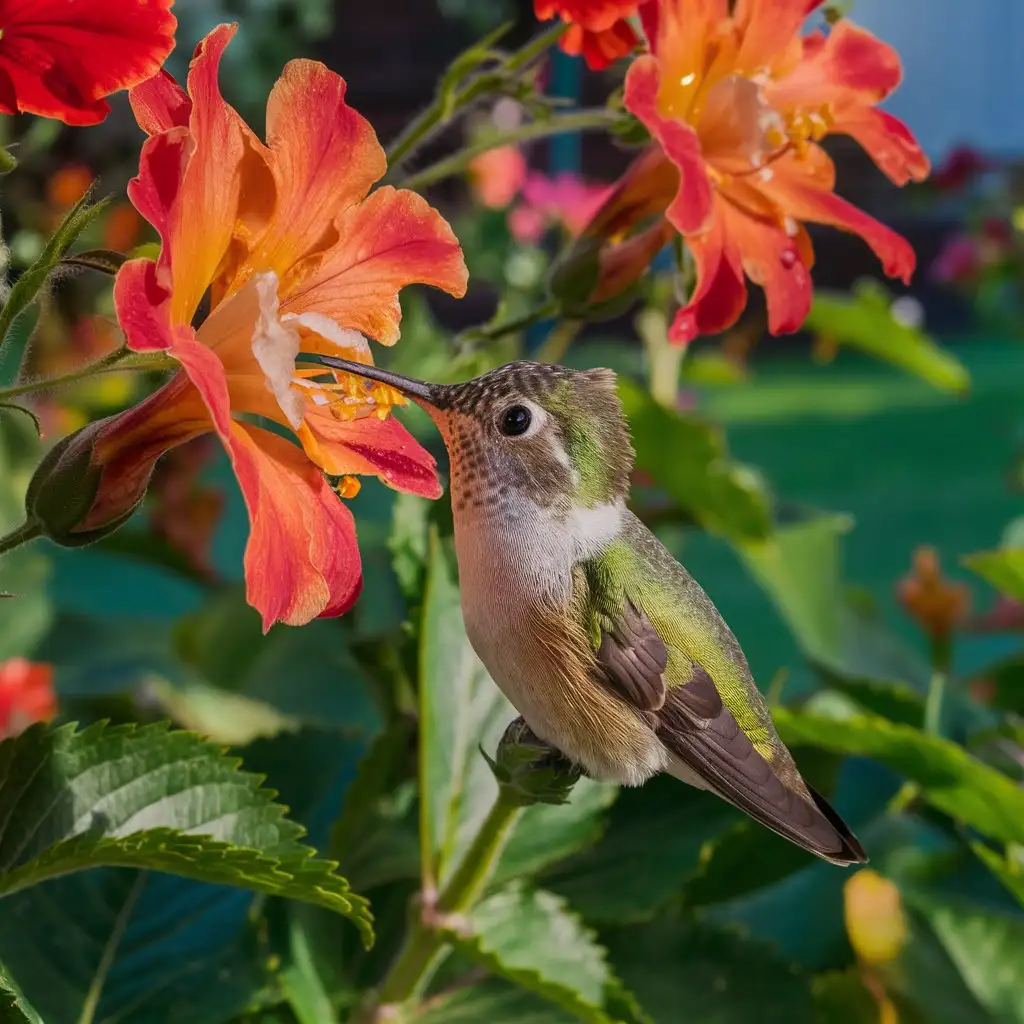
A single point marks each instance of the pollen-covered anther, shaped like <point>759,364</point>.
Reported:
<point>347,396</point>
<point>347,486</point>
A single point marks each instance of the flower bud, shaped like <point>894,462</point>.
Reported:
<point>936,603</point>
<point>532,770</point>
<point>875,920</point>
<point>65,497</point>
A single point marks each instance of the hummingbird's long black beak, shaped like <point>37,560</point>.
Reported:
<point>416,389</point>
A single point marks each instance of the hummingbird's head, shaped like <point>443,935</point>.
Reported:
<point>525,432</point>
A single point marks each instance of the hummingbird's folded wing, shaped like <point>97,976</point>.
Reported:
<point>698,729</point>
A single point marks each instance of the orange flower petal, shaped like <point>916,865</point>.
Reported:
<point>26,695</point>
<point>888,142</point>
<point>600,49</point>
<point>645,189</point>
<point>160,104</point>
<point>594,15</point>
<point>390,240</point>
<point>60,59</point>
<point>690,209</point>
<point>211,182</point>
<point>720,292</point>
<point>804,190</point>
<point>302,560</point>
<point>373,447</point>
<point>768,28</point>
<point>324,158</point>
<point>771,258</point>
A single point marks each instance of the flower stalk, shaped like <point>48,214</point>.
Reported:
<point>28,531</point>
<point>558,124</point>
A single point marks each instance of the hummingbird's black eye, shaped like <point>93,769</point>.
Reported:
<point>515,420</point>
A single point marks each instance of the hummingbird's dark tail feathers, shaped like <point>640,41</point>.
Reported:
<point>707,741</point>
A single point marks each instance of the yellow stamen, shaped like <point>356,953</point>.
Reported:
<point>347,487</point>
<point>346,395</point>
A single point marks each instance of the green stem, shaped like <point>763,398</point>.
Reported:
<point>29,530</point>
<point>942,657</point>
<point>557,343</point>
<point>557,124</point>
<point>121,359</point>
<point>426,942</point>
<point>443,109</point>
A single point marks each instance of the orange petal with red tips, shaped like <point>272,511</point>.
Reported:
<point>850,65</point>
<point>595,15</point>
<point>692,206</point>
<point>390,240</point>
<point>768,28</point>
<point>600,49</point>
<point>720,292</point>
<point>806,200</point>
<point>772,258</point>
<point>160,104</point>
<point>370,446</point>
<point>324,158</point>
<point>60,59</point>
<point>301,560</point>
<point>888,142</point>
<point>207,203</point>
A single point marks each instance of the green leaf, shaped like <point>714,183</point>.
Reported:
<point>841,998</point>
<point>987,948</point>
<point>689,459</point>
<point>682,970</point>
<point>652,844</point>
<point>948,777</point>
<point>1004,569</point>
<point>865,321</point>
<point>1010,872</point>
<point>490,1002</point>
<point>460,710</point>
<point>741,860</point>
<point>304,988</point>
<point>799,567</point>
<point>134,946</point>
<point>149,798</point>
<point>531,939</point>
<point>14,1009</point>
<point>28,285</point>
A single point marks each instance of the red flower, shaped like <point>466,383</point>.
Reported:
<point>737,102</point>
<point>597,28</point>
<point>26,695</point>
<point>961,166</point>
<point>294,254</point>
<point>59,58</point>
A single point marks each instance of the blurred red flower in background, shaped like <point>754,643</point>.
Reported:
<point>962,165</point>
<point>60,59</point>
<point>497,175</point>
<point>598,29</point>
<point>294,255</point>
<point>26,695</point>
<point>737,102</point>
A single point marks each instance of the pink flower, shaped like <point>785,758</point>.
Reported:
<point>564,200</point>
<point>958,260</point>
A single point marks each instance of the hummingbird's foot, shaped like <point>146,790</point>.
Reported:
<point>532,768</point>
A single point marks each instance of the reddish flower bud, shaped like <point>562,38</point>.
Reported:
<point>937,604</point>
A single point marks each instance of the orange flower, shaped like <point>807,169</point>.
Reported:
<point>737,104</point>
<point>26,695</point>
<point>598,29</point>
<point>67,185</point>
<point>60,59</point>
<point>122,228</point>
<point>294,255</point>
<point>497,175</point>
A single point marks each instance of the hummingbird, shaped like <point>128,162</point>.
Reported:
<point>606,646</point>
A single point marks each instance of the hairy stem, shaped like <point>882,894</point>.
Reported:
<point>557,124</point>
<point>443,110</point>
<point>28,530</point>
<point>426,942</point>
<point>121,359</point>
